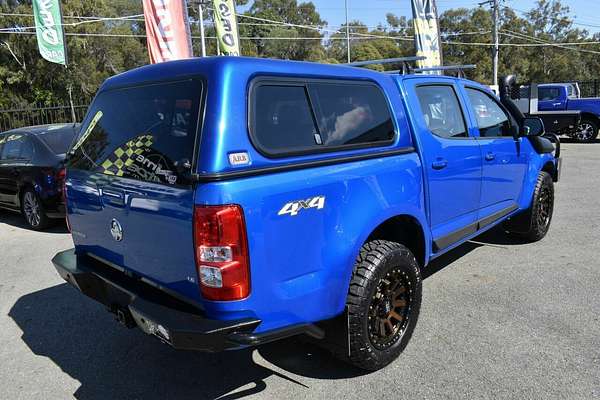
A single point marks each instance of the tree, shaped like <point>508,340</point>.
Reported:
<point>306,47</point>
<point>27,78</point>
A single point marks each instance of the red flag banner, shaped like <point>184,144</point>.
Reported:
<point>167,30</point>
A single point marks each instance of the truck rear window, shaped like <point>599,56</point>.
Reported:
<point>293,117</point>
<point>142,132</point>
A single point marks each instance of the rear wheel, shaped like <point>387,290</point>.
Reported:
<point>33,211</point>
<point>533,224</point>
<point>383,303</point>
<point>587,130</point>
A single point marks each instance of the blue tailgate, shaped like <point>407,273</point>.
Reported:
<point>130,199</point>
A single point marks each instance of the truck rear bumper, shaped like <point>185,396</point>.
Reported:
<point>155,313</point>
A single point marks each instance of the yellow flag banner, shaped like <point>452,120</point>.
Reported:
<point>226,27</point>
<point>427,33</point>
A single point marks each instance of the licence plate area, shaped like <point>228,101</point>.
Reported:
<point>156,313</point>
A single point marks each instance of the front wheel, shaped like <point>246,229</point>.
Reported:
<point>587,131</point>
<point>383,303</point>
<point>533,224</point>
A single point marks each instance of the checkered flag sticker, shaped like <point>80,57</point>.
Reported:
<point>125,155</point>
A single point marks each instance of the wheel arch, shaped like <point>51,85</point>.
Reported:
<point>550,168</point>
<point>590,115</point>
<point>407,230</point>
<point>23,187</point>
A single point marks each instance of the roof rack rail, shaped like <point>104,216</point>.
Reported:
<point>459,69</point>
<point>406,68</point>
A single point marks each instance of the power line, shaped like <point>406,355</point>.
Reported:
<point>87,21</point>
<point>562,45</point>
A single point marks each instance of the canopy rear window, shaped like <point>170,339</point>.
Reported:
<point>144,133</point>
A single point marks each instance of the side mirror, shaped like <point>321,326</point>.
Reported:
<point>532,126</point>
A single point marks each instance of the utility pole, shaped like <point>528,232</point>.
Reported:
<point>201,23</point>
<point>496,50</point>
<point>347,33</point>
<point>496,38</point>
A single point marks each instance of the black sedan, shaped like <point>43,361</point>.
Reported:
<point>32,171</point>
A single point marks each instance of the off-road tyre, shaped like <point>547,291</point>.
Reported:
<point>385,269</point>
<point>33,211</point>
<point>533,224</point>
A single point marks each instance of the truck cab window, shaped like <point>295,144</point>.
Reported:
<point>492,120</point>
<point>441,111</point>
<point>548,93</point>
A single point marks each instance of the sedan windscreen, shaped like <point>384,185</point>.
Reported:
<point>59,139</point>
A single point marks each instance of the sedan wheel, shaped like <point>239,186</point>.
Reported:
<point>33,211</point>
<point>31,208</point>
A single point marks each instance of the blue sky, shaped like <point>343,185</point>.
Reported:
<point>372,12</point>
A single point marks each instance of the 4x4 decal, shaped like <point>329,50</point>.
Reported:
<point>294,207</point>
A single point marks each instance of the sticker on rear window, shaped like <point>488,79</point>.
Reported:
<point>137,159</point>
<point>88,130</point>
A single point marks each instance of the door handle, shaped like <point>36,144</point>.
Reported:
<point>440,163</point>
<point>556,104</point>
<point>112,197</point>
<point>490,157</point>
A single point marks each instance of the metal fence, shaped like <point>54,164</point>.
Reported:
<point>590,88</point>
<point>17,117</point>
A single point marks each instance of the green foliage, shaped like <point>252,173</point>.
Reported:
<point>26,78</point>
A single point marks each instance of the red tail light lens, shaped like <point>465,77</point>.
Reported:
<point>221,248</point>
<point>61,177</point>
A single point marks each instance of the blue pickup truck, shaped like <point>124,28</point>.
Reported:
<point>228,202</point>
<point>566,97</point>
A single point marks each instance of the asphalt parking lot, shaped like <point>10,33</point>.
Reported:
<point>499,320</point>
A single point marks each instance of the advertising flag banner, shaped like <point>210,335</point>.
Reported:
<point>49,30</point>
<point>427,33</point>
<point>226,26</point>
<point>167,30</point>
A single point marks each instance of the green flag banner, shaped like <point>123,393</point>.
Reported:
<point>49,30</point>
<point>226,26</point>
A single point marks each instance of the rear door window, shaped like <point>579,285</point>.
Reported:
<point>442,111</point>
<point>144,133</point>
<point>316,116</point>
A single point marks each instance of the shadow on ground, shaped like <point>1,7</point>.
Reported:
<point>494,237</point>
<point>16,220</point>
<point>82,339</point>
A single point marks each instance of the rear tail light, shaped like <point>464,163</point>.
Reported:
<point>221,248</point>
<point>61,174</point>
<point>61,177</point>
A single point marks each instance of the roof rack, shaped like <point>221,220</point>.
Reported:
<point>406,68</point>
<point>459,69</point>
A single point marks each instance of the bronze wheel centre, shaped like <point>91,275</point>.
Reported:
<point>389,309</point>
